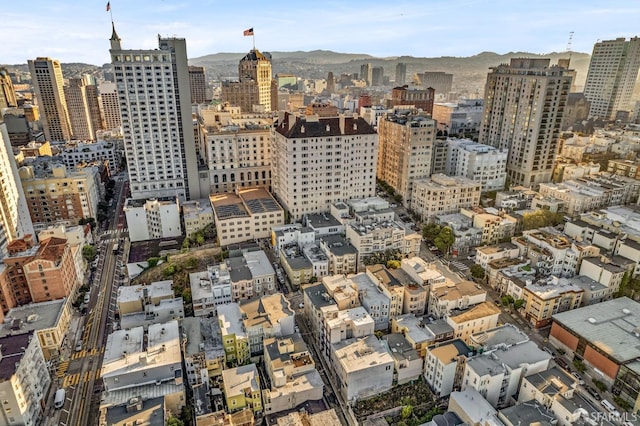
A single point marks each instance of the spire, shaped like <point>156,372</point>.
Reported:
<point>115,40</point>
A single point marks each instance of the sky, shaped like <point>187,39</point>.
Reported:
<point>78,30</point>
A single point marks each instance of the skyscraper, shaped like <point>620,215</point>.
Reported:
<point>155,106</point>
<point>46,77</point>
<point>439,80</point>
<point>110,107</point>
<point>197,84</point>
<point>365,73</point>
<point>377,76</point>
<point>524,103</point>
<point>7,94</point>
<point>401,74</point>
<point>331,83</point>
<point>254,85</point>
<point>15,221</point>
<point>612,75</point>
<point>78,107</point>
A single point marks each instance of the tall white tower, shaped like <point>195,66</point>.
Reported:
<point>15,221</point>
<point>612,75</point>
<point>155,108</point>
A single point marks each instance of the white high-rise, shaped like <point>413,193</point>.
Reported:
<point>15,220</point>
<point>155,107</point>
<point>318,161</point>
<point>46,77</point>
<point>524,105</point>
<point>612,75</point>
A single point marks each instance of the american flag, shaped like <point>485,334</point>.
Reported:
<point>248,32</point>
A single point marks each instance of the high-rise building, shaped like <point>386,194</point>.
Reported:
<point>93,102</point>
<point>419,98</point>
<point>317,161</point>
<point>155,106</point>
<point>254,85</point>
<point>377,76</point>
<point>439,80</point>
<point>405,150</point>
<point>524,104</point>
<point>110,106</point>
<point>46,77</point>
<point>612,76</point>
<point>7,94</point>
<point>401,74</point>
<point>81,124</point>
<point>15,221</point>
<point>198,85</point>
<point>366,71</point>
<point>331,83</point>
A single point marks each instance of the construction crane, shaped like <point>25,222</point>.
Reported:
<point>569,43</point>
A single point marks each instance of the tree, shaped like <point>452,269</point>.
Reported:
<point>199,238</point>
<point>444,240</point>
<point>313,279</point>
<point>517,304</point>
<point>430,231</point>
<point>174,421</point>
<point>506,300</point>
<point>477,272</point>
<point>89,253</point>
<point>87,221</point>
<point>152,261</point>
<point>407,411</point>
<point>540,219</point>
<point>394,264</point>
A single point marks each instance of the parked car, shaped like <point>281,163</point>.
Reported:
<point>562,363</point>
<point>78,347</point>
<point>594,393</point>
<point>578,378</point>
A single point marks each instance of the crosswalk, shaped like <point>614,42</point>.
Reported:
<point>85,352</point>
<point>458,265</point>
<point>62,369</point>
<point>115,231</point>
<point>74,379</point>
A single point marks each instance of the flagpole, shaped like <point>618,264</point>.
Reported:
<point>253,37</point>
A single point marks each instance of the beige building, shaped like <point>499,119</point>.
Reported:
<point>78,99</point>
<point>253,89</point>
<point>374,237</point>
<point>318,161</point>
<point>548,297</point>
<point>245,215</point>
<point>251,276</point>
<point>449,296</point>
<point>110,106</point>
<point>235,146</point>
<point>48,84</point>
<point>531,136</point>
<point>197,84</point>
<point>442,194</point>
<point>266,317</point>
<point>481,317</point>
<point>444,364</point>
<point>197,214</point>
<point>405,149</point>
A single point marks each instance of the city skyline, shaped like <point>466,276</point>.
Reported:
<point>376,28</point>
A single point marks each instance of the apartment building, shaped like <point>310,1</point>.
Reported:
<point>197,84</point>
<point>235,145</point>
<point>556,390</point>
<point>448,296</point>
<point>204,354</point>
<point>234,336</point>
<point>292,374</point>
<point>480,317</point>
<point>363,367</point>
<point>405,149</point>
<point>252,92</point>
<point>242,389</point>
<point>532,138</point>
<point>152,219</point>
<point>342,255</point>
<point>209,289</point>
<point>407,361</point>
<point>24,380</point>
<point>415,97</point>
<point>461,118</point>
<point>196,214</point>
<point>442,194</point>
<point>245,215</point>
<point>251,276</point>
<point>56,194</point>
<point>344,151</point>
<point>143,305</point>
<point>547,297</point>
<point>265,317</point>
<point>136,362</point>
<point>487,254</point>
<point>481,163</point>
<point>75,153</point>
<point>110,105</point>
<point>374,237</point>
<point>48,84</point>
<point>444,364</point>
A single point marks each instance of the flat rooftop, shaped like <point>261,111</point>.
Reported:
<point>266,311</point>
<point>448,352</point>
<point>529,413</point>
<point>230,318</point>
<point>338,245</point>
<point>415,331</point>
<point>135,292</point>
<point>32,317</point>
<point>451,291</point>
<point>356,354</point>
<point>516,355</point>
<point>319,220</point>
<point>237,380</point>
<point>12,349</point>
<point>481,310</point>
<point>507,334</point>
<point>151,414</point>
<point>612,326</point>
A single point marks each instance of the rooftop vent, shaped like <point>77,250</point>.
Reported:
<point>626,311</point>
<point>592,320</point>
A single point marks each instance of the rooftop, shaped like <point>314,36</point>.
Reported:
<point>476,408</point>
<point>451,291</point>
<point>230,318</point>
<point>318,296</point>
<point>12,348</point>
<point>529,413</point>
<point>415,331</point>
<point>32,317</point>
<point>481,310</point>
<point>266,311</point>
<point>356,354</point>
<point>239,380</point>
<point>400,348</point>
<point>507,334</point>
<point>612,326</point>
<point>291,126</point>
<point>137,292</point>
<point>522,353</point>
<point>449,351</point>
<point>150,413</point>
<point>338,245</point>
<point>497,248</point>
<point>321,220</point>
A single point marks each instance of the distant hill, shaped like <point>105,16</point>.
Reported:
<point>469,73</point>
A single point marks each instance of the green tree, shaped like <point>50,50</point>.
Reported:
<point>394,264</point>
<point>174,421</point>
<point>430,231</point>
<point>444,240</point>
<point>477,272</point>
<point>191,263</point>
<point>152,261</point>
<point>89,253</point>
<point>506,300</point>
<point>540,219</point>
<point>517,304</point>
<point>407,411</point>
<point>88,220</point>
<point>624,284</point>
<point>579,365</point>
<point>199,238</point>
<point>313,280</point>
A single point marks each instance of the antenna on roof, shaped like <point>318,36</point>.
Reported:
<point>569,43</point>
